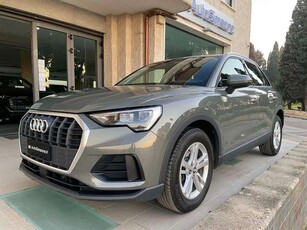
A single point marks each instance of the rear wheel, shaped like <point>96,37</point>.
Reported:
<point>272,146</point>
<point>189,172</point>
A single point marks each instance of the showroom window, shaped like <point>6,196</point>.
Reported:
<point>15,49</point>
<point>68,60</point>
<point>39,58</point>
<point>54,52</point>
<point>52,56</point>
<point>179,43</point>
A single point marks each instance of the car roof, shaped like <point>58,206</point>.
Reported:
<point>225,56</point>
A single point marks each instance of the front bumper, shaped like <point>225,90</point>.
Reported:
<point>139,195</point>
<point>97,142</point>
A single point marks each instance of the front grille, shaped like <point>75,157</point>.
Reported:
<point>64,136</point>
<point>124,167</point>
<point>20,103</point>
<point>71,183</point>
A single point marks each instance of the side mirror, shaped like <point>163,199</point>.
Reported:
<point>236,81</point>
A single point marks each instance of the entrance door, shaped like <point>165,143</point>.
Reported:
<point>85,63</point>
<point>52,60</point>
<point>67,60</point>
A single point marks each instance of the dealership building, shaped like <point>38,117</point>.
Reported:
<point>72,44</point>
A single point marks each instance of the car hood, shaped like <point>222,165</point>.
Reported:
<point>109,98</point>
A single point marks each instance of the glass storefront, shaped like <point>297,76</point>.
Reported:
<point>38,59</point>
<point>85,58</point>
<point>15,48</point>
<point>179,43</point>
<point>55,51</point>
<point>52,58</point>
<point>16,75</point>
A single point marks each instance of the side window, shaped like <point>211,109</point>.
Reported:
<point>232,66</point>
<point>256,75</point>
<point>264,78</point>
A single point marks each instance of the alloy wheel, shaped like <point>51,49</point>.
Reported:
<point>194,170</point>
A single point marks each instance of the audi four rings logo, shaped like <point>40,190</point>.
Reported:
<point>39,125</point>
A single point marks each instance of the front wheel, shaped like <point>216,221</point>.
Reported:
<point>272,146</point>
<point>189,172</point>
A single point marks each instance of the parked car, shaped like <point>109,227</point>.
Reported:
<point>16,96</point>
<point>158,133</point>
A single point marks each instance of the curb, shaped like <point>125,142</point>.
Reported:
<point>274,200</point>
<point>293,116</point>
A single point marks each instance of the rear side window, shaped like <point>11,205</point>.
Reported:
<point>256,75</point>
<point>232,66</point>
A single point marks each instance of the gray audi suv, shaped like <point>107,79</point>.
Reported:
<point>158,133</point>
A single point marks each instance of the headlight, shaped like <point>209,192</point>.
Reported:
<point>137,119</point>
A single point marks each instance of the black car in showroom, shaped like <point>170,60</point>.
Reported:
<point>16,96</point>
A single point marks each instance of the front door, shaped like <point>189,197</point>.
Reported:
<point>239,111</point>
<point>52,60</point>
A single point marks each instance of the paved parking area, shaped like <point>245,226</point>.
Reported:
<point>228,179</point>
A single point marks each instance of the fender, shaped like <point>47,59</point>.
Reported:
<point>177,131</point>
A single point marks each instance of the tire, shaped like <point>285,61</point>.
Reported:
<point>272,146</point>
<point>179,195</point>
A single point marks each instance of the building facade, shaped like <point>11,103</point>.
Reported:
<point>72,44</point>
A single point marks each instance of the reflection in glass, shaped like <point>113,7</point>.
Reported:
<point>85,51</point>
<point>52,59</point>
<point>16,75</point>
<point>192,71</point>
<point>15,48</point>
<point>179,43</point>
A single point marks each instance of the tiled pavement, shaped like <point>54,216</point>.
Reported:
<point>9,219</point>
<point>228,179</point>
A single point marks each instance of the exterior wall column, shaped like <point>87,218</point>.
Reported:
<point>227,49</point>
<point>156,38</point>
<point>123,46</point>
<point>110,51</point>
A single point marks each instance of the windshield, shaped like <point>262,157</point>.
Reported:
<point>191,71</point>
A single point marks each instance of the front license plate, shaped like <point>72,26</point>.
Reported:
<point>39,150</point>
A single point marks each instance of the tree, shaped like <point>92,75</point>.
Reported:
<point>252,51</point>
<point>260,60</point>
<point>257,56</point>
<point>273,65</point>
<point>293,63</point>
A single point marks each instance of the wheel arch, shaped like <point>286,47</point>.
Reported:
<point>280,113</point>
<point>208,125</point>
